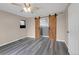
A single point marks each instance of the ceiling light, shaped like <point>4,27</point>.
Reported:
<point>29,9</point>
<point>26,10</point>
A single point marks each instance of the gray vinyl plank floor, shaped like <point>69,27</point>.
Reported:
<point>30,46</point>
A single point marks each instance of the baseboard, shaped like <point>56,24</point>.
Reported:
<point>61,40</point>
<point>31,36</point>
<point>66,45</point>
<point>44,36</point>
<point>14,40</point>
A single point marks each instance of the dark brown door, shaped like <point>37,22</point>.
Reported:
<point>52,27</point>
<point>37,28</point>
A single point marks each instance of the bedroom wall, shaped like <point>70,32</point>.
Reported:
<point>30,26</point>
<point>66,25</point>
<point>73,26</point>
<point>10,30</point>
<point>61,27</point>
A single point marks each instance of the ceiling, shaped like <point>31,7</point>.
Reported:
<point>44,9</point>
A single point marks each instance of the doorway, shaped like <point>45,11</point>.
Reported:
<point>44,25</point>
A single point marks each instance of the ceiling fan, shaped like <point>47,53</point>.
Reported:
<point>26,7</point>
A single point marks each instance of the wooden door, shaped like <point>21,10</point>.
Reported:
<point>52,27</point>
<point>37,28</point>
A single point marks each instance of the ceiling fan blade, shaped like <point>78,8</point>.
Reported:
<point>25,5</point>
<point>16,4</point>
<point>29,5</point>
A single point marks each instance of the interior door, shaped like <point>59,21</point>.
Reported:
<point>37,28</point>
<point>52,27</point>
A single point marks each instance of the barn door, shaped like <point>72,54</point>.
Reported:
<point>37,28</point>
<point>52,27</point>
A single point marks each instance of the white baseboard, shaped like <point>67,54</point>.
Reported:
<point>66,45</point>
<point>44,36</point>
<point>61,40</point>
<point>14,40</point>
<point>31,36</point>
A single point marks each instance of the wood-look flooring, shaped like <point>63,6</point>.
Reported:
<point>29,46</point>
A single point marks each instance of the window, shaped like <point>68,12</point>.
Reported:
<point>22,24</point>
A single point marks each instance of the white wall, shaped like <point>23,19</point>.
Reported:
<point>66,25</point>
<point>30,26</point>
<point>73,23</point>
<point>10,28</point>
<point>61,28</point>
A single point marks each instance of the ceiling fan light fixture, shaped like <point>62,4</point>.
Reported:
<point>29,9</point>
<point>26,10</point>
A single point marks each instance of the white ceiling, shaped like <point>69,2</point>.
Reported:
<point>44,9</point>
